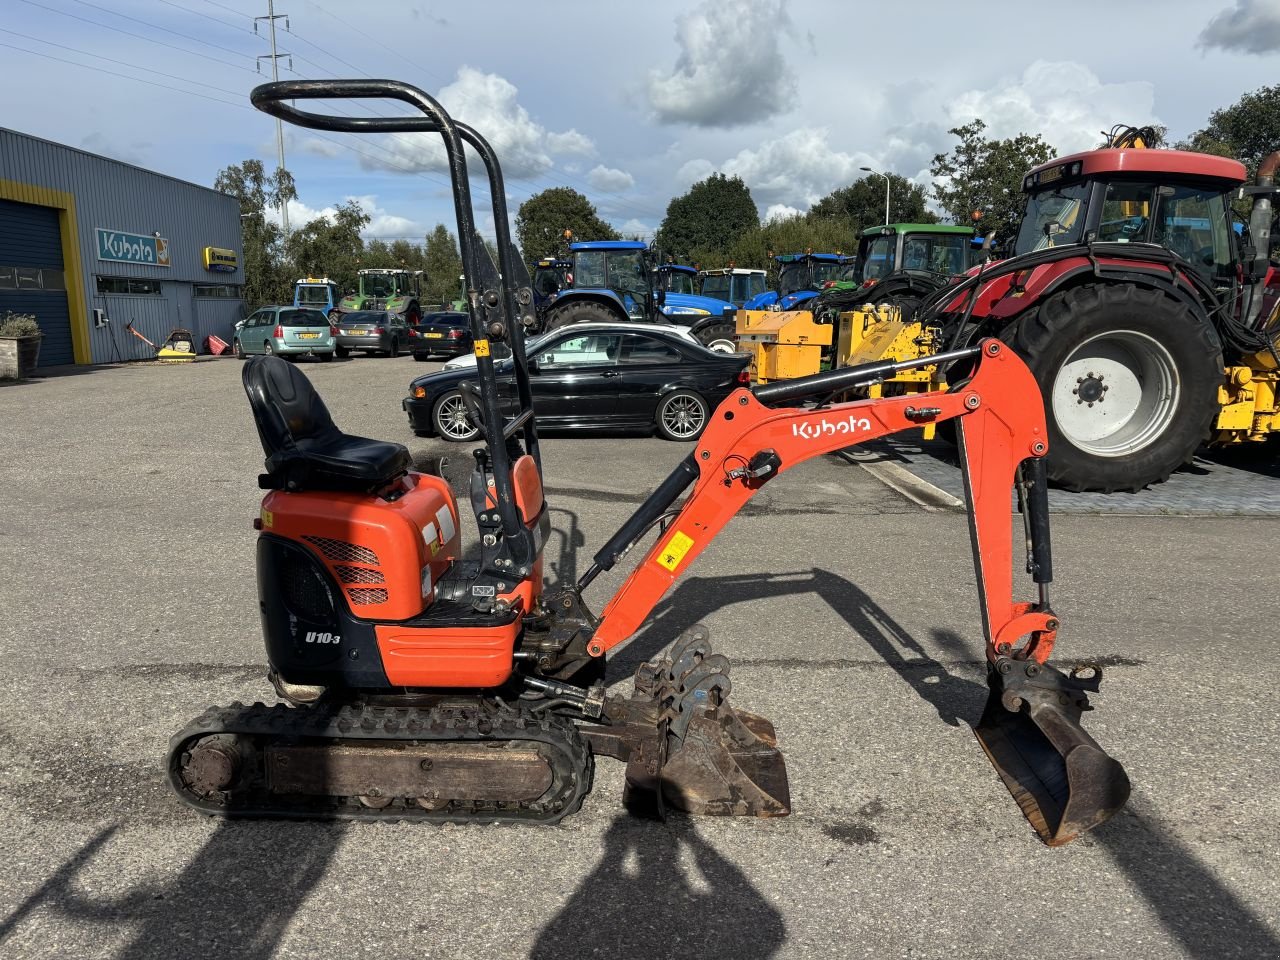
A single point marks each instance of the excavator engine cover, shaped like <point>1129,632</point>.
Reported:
<point>1063,781</point>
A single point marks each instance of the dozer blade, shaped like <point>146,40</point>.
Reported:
<point>690,750</point>
<point>1030,729</point>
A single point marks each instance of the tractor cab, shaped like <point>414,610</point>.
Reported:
<point>800,277</point>
<point>392,291</point>
<point>550,276</point>
<point>618,280</point>
<point>316,293</point>
<point>677,278</point>
<point>1166,198</point>
<point>732,284</point>
<point>920,247</point>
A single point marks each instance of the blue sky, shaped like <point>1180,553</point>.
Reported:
<point>628,103</point>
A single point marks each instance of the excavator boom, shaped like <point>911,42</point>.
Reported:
<point>1030,730</point>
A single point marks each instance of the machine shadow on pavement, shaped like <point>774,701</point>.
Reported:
<point>234,899</point>
<point>1206,917</point>
<point>642,901</point>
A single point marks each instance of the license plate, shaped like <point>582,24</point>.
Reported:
<point>353,333</point>
<point>308,336</point>
<point>434,336</point>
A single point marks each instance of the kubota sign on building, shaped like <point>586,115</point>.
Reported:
<point>132,248</point>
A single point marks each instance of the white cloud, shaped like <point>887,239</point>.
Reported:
<point>636,228</point>
<point>795,169</point>
<point>610,180</point>
<point>488,103</point>
<point>694,170</point>
<point>382,223</point>
<point>1251,26</point>
<point>569,143</point>
<point>1065,102</point>
<point>731,69</point>
<point>780,211</point>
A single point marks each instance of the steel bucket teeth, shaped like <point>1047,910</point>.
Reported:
<point>706,758</point>
<point>1030,729</point>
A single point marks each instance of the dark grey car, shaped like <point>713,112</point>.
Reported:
<point>373,331</point>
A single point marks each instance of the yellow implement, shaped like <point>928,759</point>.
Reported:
<point>784,344</point>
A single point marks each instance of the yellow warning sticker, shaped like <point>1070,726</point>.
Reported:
<point>482,348</point>
<point>671,555</point>
<point>268,519</point>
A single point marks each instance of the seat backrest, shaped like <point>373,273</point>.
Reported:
<point>289,413</point>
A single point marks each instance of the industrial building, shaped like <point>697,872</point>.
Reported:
<point>89,245</point>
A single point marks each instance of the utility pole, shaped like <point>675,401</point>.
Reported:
<point>886,191</point>
<point>274,57</point>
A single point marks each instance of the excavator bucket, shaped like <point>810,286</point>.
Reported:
<point>697,753</point>
<point>1030,729</point>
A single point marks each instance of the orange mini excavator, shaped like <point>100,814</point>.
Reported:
<point>423,682</point>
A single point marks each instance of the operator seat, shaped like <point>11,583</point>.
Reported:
<point>305,449</point>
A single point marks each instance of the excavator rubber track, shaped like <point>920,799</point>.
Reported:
<point>356,761</point>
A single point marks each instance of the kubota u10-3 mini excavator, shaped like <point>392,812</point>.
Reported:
<point>418,686</point>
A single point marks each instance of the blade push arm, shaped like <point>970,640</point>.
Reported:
<point>1001,424</point>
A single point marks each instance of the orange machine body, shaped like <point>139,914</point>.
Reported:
<point>388,552</point>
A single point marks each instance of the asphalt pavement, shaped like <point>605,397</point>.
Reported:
<point>848,610</point>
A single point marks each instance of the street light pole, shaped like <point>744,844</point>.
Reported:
<point>886,191</point>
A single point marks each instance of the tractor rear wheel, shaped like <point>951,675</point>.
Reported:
<point>583,311</point>
<point>718,337</point>
<point>1130,383</point>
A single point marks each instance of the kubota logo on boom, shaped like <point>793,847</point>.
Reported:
<point>828,428</point>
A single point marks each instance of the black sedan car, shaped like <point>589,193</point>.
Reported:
<point>440,334</point>
<point>597,377</point>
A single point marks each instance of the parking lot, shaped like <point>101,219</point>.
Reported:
<point>850,616</point>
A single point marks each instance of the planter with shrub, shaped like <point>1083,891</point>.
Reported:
<point>19,346</point>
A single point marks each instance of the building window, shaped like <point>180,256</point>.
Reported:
<point>129,287</point>
<point>228,291</point>
<point>31,278</point>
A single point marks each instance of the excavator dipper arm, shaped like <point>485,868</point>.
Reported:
<point>710,758</point>
<point>747,444</point>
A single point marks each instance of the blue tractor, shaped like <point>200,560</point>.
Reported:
<point>619,280</point>
<point>800,277</point>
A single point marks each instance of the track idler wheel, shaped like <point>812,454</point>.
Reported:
<point>1064,782</point>
<point>704,757</point>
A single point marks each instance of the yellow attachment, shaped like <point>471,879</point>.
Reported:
<point>784,344</point>
<point>873,334</point>
<point>1248,401</point>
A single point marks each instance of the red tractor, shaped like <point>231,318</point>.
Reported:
<point>1145,313</point>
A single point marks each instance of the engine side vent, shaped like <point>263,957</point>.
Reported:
<point>304,589</point>
<point>363,596</point>
<point>341,551</point>
<point>358,574</point>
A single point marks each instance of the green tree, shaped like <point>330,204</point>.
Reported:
<point>1248,130</point>
<point>443,263</point>
<point>332,248</point>
<point>986,175</point>
<point>266,274</point>
<point>755,247</point>
<point>862,203</point>
<point>542,220</point>
<point>709,218</point>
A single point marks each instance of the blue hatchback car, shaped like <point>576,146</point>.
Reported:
<point>288,331</point>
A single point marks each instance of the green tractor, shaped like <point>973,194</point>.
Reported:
<point>901,263</point>
<point>392,291</point>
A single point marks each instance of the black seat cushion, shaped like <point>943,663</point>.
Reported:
<point>305,449</point>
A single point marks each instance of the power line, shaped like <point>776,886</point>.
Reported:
<point>137,36</point>
<point>146,23</point>
<point>207,16</point>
